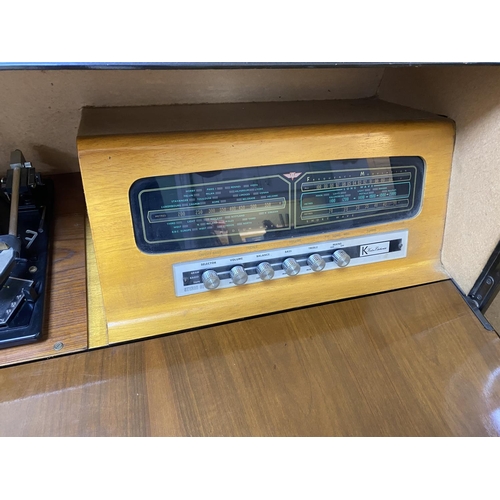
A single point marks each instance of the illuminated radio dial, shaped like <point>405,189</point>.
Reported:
<point>291,266</point>
<point>265,271</point>
<point>210,279</point>
<point>238,275</point>
<point>316,262</point>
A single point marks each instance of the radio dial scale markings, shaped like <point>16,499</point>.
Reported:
<point>251,204</point>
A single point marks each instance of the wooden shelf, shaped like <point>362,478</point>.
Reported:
<point>411,362</point>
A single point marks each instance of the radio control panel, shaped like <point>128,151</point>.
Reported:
<point>287,263</point>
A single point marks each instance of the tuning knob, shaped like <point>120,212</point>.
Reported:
<point>316,262</point>
<point>341,258</point>
<point>210,279</point>
<point>291,266</point>
<point>238,275</point>
<point>265,271</point>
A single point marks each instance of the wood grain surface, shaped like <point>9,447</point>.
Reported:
<point>96,314</point>
<point>66,315</point>
<point>137,288</point>
<point>413,362</point>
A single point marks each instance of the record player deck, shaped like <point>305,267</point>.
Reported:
<point>26,203</point>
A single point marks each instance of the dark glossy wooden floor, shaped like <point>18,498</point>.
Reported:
<point>411,362</point>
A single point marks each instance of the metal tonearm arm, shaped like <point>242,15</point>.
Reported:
<point>10,244</point>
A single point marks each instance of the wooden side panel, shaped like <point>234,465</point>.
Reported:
<point>138,289</point>
<point>97,327</point>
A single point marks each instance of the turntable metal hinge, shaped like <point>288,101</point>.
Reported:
<point>486,288</point>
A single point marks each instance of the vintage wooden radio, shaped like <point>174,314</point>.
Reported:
<point>208,213</point>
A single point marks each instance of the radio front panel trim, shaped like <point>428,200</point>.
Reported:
<point>362,250</point>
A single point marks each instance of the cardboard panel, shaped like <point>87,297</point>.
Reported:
<point>40,110</point>
<point>471,97</point>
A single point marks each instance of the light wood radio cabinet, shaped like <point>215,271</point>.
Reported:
<point>139,165</point>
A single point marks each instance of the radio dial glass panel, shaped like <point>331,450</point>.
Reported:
<point>173,213</point>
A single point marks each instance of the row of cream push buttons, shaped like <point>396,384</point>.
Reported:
<point>265,271</point>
